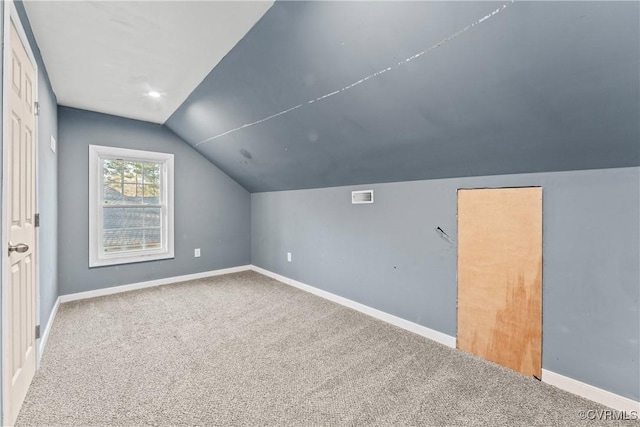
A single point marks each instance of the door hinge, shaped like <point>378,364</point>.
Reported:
<point>36,108</point>
<point>37,331</point>
<point>37,220</point>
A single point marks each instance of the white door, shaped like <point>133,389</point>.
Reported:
<point>20,354</point>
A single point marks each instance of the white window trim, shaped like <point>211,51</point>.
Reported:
<point>96,256</point>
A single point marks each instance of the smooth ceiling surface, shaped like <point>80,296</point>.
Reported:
<point>106,56</point>
<point>539,86</point>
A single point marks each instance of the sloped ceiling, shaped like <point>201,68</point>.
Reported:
<point>106,56</point>
<point>535,86</point>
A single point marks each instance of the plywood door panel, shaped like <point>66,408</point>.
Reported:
<point>20,365</point>
<point>500,276</point>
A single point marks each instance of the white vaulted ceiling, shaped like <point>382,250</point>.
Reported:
<point>106,56</point>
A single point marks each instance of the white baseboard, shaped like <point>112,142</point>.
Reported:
<point>590,392</point>
<point>587,391</point>
<point>45,335</point>
<point>150,283</point>
<point>271,274</point>
<point>381,315</point>
<point>579,388</point>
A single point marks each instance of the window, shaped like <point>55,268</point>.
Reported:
<point>130,206</point>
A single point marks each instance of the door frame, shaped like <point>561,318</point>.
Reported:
<point>11,15</point>
<point>541,187</point>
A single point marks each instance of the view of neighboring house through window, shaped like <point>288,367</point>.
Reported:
<point>131,205</point>
<point>132,211</point>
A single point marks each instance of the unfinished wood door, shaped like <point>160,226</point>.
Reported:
<point>20,354</point>
<point>500,276</point>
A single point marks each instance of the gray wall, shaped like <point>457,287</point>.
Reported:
<point>212,212</point>
<point>388,256</point>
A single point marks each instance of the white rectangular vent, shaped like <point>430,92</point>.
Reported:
<point>358,197</point>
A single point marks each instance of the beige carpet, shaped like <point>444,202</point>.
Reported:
<point>243,349</point>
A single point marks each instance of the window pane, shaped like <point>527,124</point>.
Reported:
<point>130,229</point>
<point>112,218</point>
<point>112,241</point>
<point>152,217</point>
<point>133,218</point>
<point>132,183</point>
<point>132,194</point>
<point>151,173</point>
<point>152,238</point>
<point>133,239</point>
<point>151,194</point>
<point>132,172</point>
<point>112,193</point>
<point>112,170</point>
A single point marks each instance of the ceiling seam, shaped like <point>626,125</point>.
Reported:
<point>362,80</point>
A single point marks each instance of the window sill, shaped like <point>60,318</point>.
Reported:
<point>119,260</point>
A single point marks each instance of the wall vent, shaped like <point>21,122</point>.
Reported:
<point>358,197</point>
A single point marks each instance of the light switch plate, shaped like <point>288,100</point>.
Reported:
<point>53,144</point>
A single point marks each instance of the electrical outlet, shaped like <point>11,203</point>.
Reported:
<point>196,253</point>
<point>289,256</point>
<point>53,144</point>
